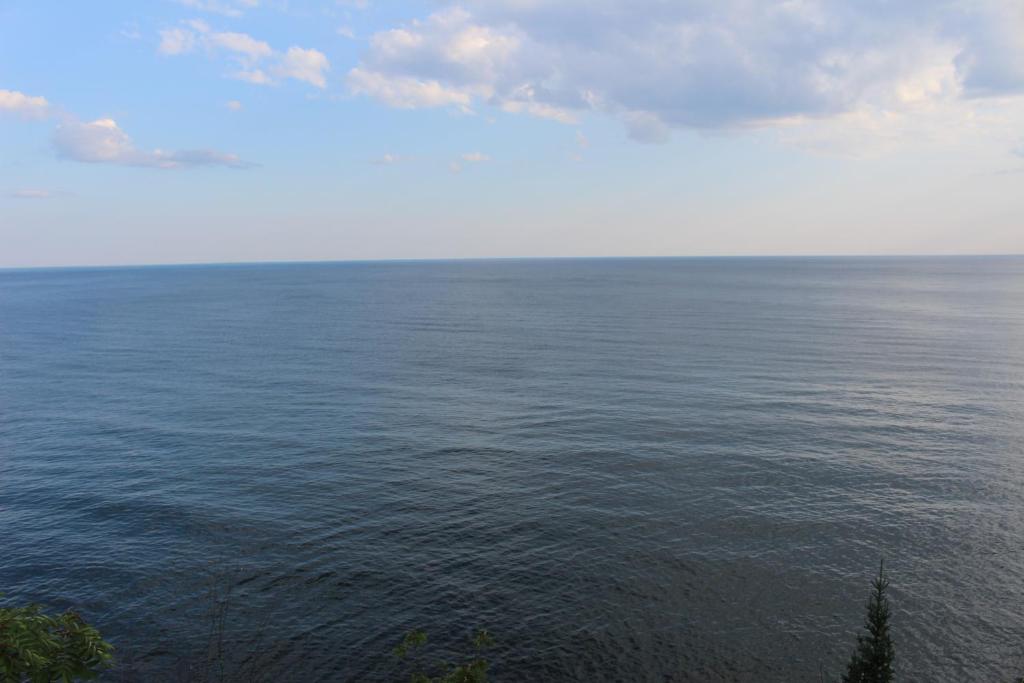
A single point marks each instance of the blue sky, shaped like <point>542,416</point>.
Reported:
<point>171,131</point>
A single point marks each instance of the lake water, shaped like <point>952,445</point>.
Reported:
<point>627,470</point>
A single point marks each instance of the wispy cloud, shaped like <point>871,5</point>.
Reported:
<point>130,31</point>
<point>103,141</point>
<point>227,8</point>
<point>388,159</point>
<point>255,60</point>
<point>32,193</point>
<point>176,41</point>
<point>457,165</point>
<point>240,44</point>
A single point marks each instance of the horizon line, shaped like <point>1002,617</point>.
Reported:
<point>468,259</point>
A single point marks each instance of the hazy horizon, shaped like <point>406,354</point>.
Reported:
<point>472,259</point>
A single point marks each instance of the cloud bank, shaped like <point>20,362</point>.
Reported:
<point>660,65</point>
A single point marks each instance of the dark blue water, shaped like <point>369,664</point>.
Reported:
<point>627,470</point>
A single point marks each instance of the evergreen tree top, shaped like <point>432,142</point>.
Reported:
<point>872,660</point>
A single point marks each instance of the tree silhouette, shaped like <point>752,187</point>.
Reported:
<point>872,661</point>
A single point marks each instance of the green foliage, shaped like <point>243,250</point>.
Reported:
<point>473,671</point>
<point>412,641</point>
<point>872,661</point>
<point>40,648</point>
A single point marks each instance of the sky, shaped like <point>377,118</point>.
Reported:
<point>192,131</point>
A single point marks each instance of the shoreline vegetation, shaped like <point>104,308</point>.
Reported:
<point>36,647</point>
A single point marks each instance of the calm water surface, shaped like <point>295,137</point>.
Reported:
<point>628,470</point>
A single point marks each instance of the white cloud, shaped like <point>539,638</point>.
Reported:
<point>233,105</point>
<point>305,65</point>
<point>255,60</point>
<point>240,44</point>
<point>346,32</point>
<point>444,61</point>
<point>695,64</point>
<point>27,106</point>
<point>103,141</point>
<point>406,92</point>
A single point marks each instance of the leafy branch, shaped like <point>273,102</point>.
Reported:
<point>42,648</point>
